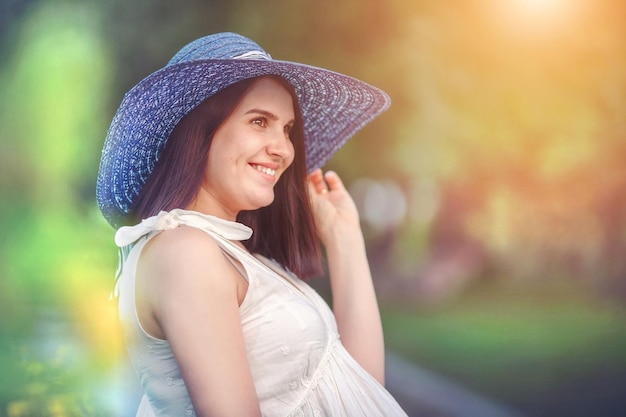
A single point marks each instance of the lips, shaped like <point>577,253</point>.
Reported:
<point>264,169</point>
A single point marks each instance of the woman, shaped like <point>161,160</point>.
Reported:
<point>217,323</point>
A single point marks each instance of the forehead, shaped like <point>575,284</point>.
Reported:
<point>269,93</point>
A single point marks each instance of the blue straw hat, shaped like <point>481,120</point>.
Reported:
<point>334,107</point>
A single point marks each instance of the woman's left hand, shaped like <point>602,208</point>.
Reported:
<point>333,208</point>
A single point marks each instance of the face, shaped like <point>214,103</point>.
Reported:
<point>249,153</point>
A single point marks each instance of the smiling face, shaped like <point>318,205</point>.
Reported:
<point>249,153</point>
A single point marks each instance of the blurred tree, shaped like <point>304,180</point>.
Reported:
<point>540,138</point>
<point>11,12</point>
<point>56,325</point>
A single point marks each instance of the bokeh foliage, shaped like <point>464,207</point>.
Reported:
<point>506,137</point>
<point>57,324</point>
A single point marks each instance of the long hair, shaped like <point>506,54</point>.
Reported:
<point>284,230</point>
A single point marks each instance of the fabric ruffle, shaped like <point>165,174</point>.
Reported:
<point>167,220</point>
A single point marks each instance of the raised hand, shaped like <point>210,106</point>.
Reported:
<point>333,208</point>
<point>354,298</point>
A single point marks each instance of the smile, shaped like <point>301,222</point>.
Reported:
<point>265,170</point>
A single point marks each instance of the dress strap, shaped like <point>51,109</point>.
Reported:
<point>167,220</point>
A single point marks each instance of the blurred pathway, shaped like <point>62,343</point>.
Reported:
<point>425,394</point>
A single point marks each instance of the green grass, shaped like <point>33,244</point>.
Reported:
<point>512,343</point>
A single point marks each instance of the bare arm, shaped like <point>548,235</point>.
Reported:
<point>187,292</point>
<point>354,299</point>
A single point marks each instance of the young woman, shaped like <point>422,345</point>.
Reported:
<point>222,142</point>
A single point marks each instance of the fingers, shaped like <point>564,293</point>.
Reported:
<point>333,181</point>
<point>323,183</point>
<point>316,179</point>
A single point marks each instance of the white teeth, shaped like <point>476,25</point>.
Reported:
<point>265,170</point>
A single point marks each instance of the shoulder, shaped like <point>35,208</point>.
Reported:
<point>185,267</point>
<point>183,253</point>
<point>181,274</point>
<point>179,244</point>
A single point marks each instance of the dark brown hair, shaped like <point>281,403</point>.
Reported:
<point>284,230</point>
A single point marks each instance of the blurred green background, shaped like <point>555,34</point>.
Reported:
<point>492,192</point>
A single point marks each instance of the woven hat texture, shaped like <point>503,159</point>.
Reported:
<point>334,107</point>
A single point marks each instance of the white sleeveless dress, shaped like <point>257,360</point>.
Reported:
<point>299,366</point>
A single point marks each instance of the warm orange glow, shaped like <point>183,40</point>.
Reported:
<point>535,17</point>
<point>538,8</point>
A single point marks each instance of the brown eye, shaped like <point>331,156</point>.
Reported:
<point>260,121</point>
<point>288,130</point>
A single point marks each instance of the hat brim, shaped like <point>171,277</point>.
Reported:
<point>334,107</point>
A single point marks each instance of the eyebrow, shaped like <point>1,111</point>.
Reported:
<point>267,114</point>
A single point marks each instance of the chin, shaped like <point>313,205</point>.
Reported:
<point>260,203</point>
<point>268,201</point>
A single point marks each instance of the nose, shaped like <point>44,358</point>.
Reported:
<point>281,146</point>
